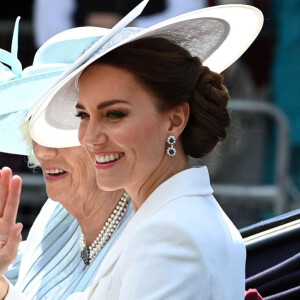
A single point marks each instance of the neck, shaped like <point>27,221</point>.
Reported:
<point>95,211</point>
<point>170,166</point>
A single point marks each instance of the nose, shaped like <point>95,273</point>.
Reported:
<point>42,152</point>
<point>92,134</point>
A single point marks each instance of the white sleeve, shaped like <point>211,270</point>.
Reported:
<point>164,263</point>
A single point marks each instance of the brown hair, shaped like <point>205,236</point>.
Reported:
<point>176,77</point>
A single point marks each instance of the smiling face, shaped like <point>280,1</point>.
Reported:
<point>68,172</point>
<point>123,130</point>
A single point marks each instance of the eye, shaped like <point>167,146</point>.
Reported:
<point>81,115</point>
<point>114,114</point>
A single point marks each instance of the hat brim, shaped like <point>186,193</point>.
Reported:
<point>50,62</point>
<point>11,134</point>
<point>16,98</point>
<point>20,94</point>
<point>219,35</point>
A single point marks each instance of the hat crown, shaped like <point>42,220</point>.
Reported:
<point>67,46</point>
<point>55,55</point>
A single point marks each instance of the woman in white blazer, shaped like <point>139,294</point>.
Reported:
<point>153,98</point>
<point>180,244</point>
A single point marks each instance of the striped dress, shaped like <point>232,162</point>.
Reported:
<point>48,265</point>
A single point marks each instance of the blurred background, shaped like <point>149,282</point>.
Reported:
<point>255,173</point>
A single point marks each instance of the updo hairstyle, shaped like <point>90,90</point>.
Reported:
<point>176,77</point>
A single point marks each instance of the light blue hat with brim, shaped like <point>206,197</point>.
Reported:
<point>19,89</point>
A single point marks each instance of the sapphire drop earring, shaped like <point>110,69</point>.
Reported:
<point>171,151</point>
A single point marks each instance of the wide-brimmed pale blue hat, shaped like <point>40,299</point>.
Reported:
<point>19,89</point>
<point>218,35</point>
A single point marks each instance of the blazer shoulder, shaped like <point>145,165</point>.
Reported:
<point>196,219</point>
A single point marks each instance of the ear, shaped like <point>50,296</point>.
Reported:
<point>178,117</point>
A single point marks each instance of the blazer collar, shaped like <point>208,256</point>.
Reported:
<point>190,182</point>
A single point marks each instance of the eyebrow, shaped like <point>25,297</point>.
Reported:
<point>104,104</point>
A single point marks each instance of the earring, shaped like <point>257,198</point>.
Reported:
<point>171,151</point>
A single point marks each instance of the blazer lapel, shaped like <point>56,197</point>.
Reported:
<point>110,260</point>
<point>116,250</point>
<point>163,194</point>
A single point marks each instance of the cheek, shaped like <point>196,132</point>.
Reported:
<point>81,133</point>
<point>80,163</point>
<point>145,138</point>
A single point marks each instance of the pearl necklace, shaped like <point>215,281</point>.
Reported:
<point>88,253</point>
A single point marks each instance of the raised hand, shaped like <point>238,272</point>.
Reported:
<point>10,231</point>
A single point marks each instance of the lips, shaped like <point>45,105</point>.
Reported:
<point>54,174</point>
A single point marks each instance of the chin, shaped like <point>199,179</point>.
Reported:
<point>108,186</point>
<point>55,195</point>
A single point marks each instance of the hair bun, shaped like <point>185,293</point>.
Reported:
<point>210,84</point>
<point>209,117</point>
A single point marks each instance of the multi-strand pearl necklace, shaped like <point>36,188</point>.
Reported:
<point>88,253</point>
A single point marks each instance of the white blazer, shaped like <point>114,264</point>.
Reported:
<point>179,245</point>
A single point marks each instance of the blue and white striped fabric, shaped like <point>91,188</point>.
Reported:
<point>48,265</point>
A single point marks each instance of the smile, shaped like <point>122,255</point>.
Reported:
<point>53,175</point>
<point>55,171</point>
<point>107,158</point>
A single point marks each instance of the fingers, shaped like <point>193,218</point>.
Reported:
<point>5,179</point>
<point>13,200</point>
<point>9,251</point>
<point>14,238</point>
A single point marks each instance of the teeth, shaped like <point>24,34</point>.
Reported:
<point>55,171</point>
<point>108,157</point>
